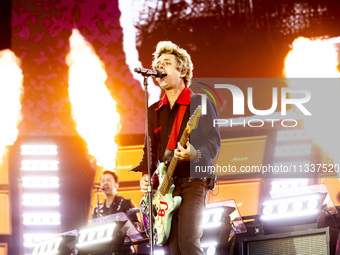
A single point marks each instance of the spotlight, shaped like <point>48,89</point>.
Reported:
<point>47,199</point>
<point>132,233</point>
<point>293,150</point>
<point>48,247</point>
<point>209,248</point>
<point>212,217</point>
<point>280,184</point>
<point>40,197</point>
<point>307,207</point>
<point>292,207</point>
<point>292,213</point>
<point>36,149</point>
<point>57,245</point>
<point>292,135</point>
<point>297,206</point>
<point>101,239</point>
<point>40,182</point>
<point>220,220</point>
<point>295,190</point>
<point>39,165</point>
<point>41,219</point>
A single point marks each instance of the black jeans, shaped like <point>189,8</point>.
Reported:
<point>186,229</point>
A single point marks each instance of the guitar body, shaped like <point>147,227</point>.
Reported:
<point>163,207</point>
<point>163,203</point>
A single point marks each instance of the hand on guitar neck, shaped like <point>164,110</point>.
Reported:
<point>186,154</point>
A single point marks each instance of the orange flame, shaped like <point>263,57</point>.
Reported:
<point>11,88</point>
<point>94,110</point>
<point>312,59</point>
<point>318,59</point>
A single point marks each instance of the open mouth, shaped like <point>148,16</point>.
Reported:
<point>163,76</point>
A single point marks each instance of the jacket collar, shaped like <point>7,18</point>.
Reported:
<point>183,98</point>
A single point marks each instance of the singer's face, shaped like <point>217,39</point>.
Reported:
<point>167,63</point>
<point>109,185</point>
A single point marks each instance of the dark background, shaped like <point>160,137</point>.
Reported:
<point>234,38</point>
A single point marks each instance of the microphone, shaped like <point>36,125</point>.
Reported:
<point>97,187</point>
<point>150,72</point>
<point>132,211</point>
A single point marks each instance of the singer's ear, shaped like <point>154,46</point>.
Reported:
<point>183,73</point>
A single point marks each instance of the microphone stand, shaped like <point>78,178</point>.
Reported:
<point>151,237</point>
<point>98,189</point>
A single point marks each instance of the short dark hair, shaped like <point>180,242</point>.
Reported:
<point>115,176</point>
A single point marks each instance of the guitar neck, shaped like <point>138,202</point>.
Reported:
<point>165,186</point>
<point>192,124</point>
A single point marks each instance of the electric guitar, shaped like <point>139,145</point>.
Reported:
<point>163,202</point>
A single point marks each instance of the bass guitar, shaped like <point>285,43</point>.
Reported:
<point>163,203</point>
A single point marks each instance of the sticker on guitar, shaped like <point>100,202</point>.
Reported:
<point>161,212</point>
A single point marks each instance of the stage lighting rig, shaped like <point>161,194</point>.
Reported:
<point>61,244</point>
<point>220,222</point>
<point>297,208</point>
<point>102,238</point>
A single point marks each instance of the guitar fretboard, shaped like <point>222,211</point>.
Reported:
<point>165,186</point>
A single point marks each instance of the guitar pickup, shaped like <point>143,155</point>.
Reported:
<point>154,211</point>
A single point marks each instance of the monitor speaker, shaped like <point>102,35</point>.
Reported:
<point>313,241</point>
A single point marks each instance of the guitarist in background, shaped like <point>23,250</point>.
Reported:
<point>202,148</point>
<point>113,202</point>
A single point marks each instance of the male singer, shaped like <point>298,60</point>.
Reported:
<point>200,150</point>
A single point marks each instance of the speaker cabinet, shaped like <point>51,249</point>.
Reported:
<point>240,154</point>
<point>313,241</point>
<point>3,249</point>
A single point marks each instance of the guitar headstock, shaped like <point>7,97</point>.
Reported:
<point>193,120</point>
